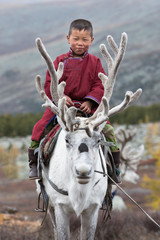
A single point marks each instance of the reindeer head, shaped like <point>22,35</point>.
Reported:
<point>82,154</point>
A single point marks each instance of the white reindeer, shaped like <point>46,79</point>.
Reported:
<point>130,155</point>
<point>77,152</point>
<point>130,158</point>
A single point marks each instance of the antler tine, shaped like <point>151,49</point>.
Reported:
<point>48,102</point>
<point>127,135</point>
<point>112,44</point>
<point>135,96</point>
<point>113,64</point>
<point>129,99</point>
<point>124,136</point>
<point>118,133</point>
<point>71,118</point>
<point>101,116</point>
<point>61,87</point>
<point>55,76</point>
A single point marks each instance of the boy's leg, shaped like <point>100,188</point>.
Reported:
<point>110,137</point>
<point>33,157</point>
<point>40,126</point>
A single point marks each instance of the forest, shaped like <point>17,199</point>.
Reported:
<point>22,124</point>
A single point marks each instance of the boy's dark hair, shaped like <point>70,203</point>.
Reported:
<point>81,24</point>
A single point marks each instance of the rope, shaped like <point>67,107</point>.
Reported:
<point>42,167</point>
<point>45,201</point>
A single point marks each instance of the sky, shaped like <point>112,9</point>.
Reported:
<point>21,1</point>
<point>12,3</point>
<point>30,1</point>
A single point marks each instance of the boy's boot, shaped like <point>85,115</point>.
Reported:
<point>116,172</point>
<point>33,173</point>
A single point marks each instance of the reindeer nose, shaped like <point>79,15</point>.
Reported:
<point>83,148</point>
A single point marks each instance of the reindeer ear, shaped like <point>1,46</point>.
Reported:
<point>101,126</point>
<point>61,123</point>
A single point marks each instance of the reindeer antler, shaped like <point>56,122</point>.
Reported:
<point>113,64</point>
<point>125,135</point>
<point>55,89</point>
<point>108,82</point>
<point>58,106</point>
<point>48,102</point>
<point>130,156</point>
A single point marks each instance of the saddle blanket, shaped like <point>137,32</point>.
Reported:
<point>49,143</point>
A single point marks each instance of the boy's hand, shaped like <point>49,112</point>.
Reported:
<point>69,102</point>
<point>86,106</point>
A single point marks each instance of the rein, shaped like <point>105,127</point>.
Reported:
<point>42,167</point>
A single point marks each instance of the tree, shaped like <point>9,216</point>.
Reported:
<point>8,161</point>
<point>153,184</point>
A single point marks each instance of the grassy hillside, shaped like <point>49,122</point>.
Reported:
<point>20,60</point>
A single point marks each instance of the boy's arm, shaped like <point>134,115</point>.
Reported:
<point>96,92</point>
<point>87,106</point>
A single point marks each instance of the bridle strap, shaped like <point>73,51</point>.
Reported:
<point>42,167</point>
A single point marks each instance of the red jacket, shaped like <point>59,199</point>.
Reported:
<point>81,77</point>
<point>82,82</point>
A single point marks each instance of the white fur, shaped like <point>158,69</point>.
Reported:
<point>118,204</point>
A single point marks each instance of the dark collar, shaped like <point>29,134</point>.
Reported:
<point>71,53</point>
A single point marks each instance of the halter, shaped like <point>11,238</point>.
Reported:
<point>42,167</point>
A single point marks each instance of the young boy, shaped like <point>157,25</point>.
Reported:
<point>82,85</point>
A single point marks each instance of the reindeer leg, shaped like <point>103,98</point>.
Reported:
<point>53,221</point>
<point>62,223</point>
<point>89,219</point>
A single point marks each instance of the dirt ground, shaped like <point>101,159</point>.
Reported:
<point>18,199</point>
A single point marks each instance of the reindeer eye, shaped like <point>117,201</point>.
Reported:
<point>68,143</point>
<point>66,140</point>
<point>97,142</point>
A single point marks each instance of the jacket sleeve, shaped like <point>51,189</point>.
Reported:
<point>48,79</point>
<point>97,89</point>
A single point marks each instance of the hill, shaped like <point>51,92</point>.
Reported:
<point>20,61</point>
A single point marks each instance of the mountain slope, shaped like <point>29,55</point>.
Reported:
<point>20,60</point>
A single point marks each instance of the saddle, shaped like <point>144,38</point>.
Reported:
<point>49,139</point>
<point>49,143</point>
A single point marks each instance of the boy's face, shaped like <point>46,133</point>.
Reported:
<point>79,41</point>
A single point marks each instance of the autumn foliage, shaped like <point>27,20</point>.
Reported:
<point>153,185</point>
<point>8,161</point>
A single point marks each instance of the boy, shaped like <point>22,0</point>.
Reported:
<point>82,85</point>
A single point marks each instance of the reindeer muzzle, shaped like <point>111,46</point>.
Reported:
<point>83,173</point>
